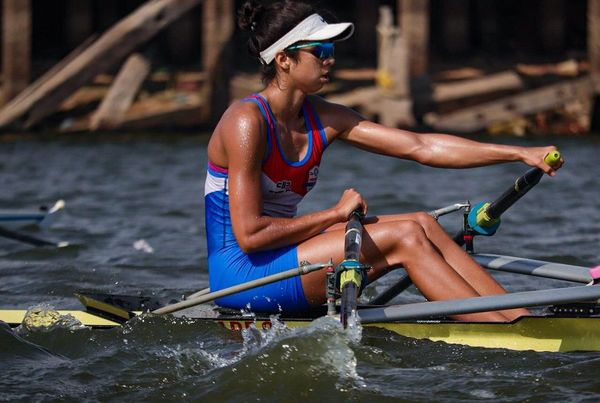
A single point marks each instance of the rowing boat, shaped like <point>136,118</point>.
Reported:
<point>561,328</point>
<point>42,217</point>
<point>569,321</point>
<point>565,327</point>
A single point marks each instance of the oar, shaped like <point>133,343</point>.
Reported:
<point>190,302</point>
<point>351,272</point>
<point>484,218</point>
<point>120,307</point>
<point>17,236</point>
<point>436,309</point>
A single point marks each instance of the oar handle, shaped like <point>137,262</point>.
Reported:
<point>522,185</point>
<point>353,237</point>
<point>487,215</point>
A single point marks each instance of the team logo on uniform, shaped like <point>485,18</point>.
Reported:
<point>284,186</point>
<point>313,175</point>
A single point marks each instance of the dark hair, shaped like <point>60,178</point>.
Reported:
<point>268,23</point>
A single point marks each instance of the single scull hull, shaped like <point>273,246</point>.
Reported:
<point>537,333</point>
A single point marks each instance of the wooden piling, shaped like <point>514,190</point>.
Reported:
<point>593,47</point>
<point>455,26</point>
<point>218,24</point>
<point>552,15</point>
<point>16,47</point>
<point>413,20</point>
<point>78,22</point>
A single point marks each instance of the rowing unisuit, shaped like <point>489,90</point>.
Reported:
<point>284,184</point>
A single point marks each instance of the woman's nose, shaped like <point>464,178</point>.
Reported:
<point>330,61</point>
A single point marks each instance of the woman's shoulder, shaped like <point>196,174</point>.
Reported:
<point>241,123</point>
<point>242,114</point>
<point>333,113</point>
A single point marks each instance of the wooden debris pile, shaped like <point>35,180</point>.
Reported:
<point>78,95</point>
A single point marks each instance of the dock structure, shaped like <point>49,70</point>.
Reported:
<point>447,65</point>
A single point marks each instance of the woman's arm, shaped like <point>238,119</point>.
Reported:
<point>433,149</point>
<point>244,143</point>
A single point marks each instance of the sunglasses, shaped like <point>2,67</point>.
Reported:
<point>321,50</point>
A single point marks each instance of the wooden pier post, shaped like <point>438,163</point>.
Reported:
<point>593,47</point>
<point>218,24</point>
<point>413,20</point>
<point>392,63</point>
<point>16,47</point>
<point>78,22</point>
<point>553,25</point>
<point>455,26</point>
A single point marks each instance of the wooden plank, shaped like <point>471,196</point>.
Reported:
<point>119,98</point>
<point>506,80</point>
<point>16,47</point>
<point>481,116</point>
<point>414,25</point>
<point>54,70</point>
<point>112,47</point>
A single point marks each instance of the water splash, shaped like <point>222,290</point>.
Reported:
<point>143,245</point>
<point>45,318</point>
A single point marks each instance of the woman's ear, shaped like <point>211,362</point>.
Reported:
<point>283,61</point>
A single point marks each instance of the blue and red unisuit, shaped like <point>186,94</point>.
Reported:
<point>284,184</point>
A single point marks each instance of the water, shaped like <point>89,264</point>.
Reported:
<point>134,218</point>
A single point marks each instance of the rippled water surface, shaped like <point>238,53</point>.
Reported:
<point>134,218</point>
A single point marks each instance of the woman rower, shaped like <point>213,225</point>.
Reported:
<point>264,156</point>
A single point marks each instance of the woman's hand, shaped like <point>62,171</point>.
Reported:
<point>350,201</point>
<point>534,156</point>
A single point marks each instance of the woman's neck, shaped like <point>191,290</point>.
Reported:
<point>286,105</point>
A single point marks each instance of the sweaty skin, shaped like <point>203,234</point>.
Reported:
<point>438,267</point>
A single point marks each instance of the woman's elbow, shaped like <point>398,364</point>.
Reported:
<point>248,244</point>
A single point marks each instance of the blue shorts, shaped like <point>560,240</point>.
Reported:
<point>231,266</point>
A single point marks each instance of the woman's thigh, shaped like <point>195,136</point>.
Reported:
<point>380,241</point>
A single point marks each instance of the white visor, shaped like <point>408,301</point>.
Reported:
<point>312,28</point>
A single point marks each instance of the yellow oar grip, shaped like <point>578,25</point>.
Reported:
<point>552,158</point>
<point>483,219</point>
<point>350,275</point>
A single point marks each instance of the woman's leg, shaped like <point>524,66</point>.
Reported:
<point>456,257</point>
<point>388,245</point>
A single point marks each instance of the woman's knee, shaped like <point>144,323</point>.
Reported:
<point>426,221</point>
<point>410,234</point>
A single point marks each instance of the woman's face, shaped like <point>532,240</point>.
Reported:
<point>308,72</point>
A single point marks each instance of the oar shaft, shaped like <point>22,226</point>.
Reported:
<point>198,293</point>
<point>188,303</point>
<point>351,274</point>
<point>29,239</point>
<point>353,238</point>
<point>522,185</point>
<point>436,309</point>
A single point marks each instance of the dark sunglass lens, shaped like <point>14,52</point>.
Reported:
<point>324,51</point>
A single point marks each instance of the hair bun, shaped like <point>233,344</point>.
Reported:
<point>249,14</point>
